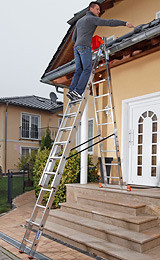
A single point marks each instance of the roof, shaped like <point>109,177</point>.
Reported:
<point>139,35</point>
<point>34,102</point>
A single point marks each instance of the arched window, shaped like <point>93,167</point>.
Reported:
<point>153,118</point>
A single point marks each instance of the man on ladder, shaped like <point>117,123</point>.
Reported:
<point>65,137</point>
<point>82,37</point>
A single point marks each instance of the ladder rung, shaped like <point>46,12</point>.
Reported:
<point>56,157</point>
<point>60,143</point>
<point>75,101</point>
<point>66,128</point>
<point>28,241</point>
<point>44,189</point>
<point>110,151</point>
<point>104,95</point>
<point>101,65</point>
<point>101,110</point>
<point>40,206</point>
<point>50,173</point>
<point>106,123</point>
<point>70,115</point>
<point>34,223</point>
<point>111,164</point>
<point>112,177</point>
<point>99,81</point>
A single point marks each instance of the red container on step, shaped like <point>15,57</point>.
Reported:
<point>96,42</point>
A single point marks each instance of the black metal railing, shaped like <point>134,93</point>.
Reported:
<point>37,133</point>
<point>53,131</point>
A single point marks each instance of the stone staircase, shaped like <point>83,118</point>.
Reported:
<point>108,223</point>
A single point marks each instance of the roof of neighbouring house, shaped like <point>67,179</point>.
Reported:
<point>34,102</point>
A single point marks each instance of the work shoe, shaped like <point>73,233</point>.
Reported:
<point>76,95</point>
<point>69,95</point>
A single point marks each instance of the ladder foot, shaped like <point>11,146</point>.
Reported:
<point>21,252</point>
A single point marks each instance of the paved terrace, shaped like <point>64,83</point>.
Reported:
<point>12,225</point>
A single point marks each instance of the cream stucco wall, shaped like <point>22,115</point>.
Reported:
<point>14,142</point>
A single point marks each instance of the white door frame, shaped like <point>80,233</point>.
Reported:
<point>125,130</point>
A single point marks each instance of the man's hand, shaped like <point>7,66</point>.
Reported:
<point>129,25</point>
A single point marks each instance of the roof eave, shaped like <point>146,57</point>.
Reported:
<point>70,67</point>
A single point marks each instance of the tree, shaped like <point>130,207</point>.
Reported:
<point>46,141</point>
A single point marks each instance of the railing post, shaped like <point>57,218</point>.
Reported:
<point>23,181</point>
<point>10,187</point>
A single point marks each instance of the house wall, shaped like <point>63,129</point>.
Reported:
<point>14,142</point>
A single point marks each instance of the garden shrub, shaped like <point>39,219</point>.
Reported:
<point>26,163</point>
<point>46,141</point>
<point>71,174</point>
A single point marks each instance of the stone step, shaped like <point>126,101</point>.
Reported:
<point>144,196</point>
<point>93,244</point>
<point>136,241</point>
<point>119,219</point>
<point>132,207</point>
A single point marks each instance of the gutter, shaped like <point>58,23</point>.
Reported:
<point>139,34</point>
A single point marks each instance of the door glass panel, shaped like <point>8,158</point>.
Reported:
<point>140,139</point>
<point>154,127</point>
<point>153,171</point>
<point>140,149</point>
<point>154,118</point>
<point>154,138</point>
<point>140,120</point>
<point>150,113</point>
<point>139,160</point>
<point>144,114</point>
<point>140,128</point>
<point>154,149</point>
<point>139,171</point>
<point>154,160</point>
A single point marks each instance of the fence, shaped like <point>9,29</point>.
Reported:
<point>11,186</point>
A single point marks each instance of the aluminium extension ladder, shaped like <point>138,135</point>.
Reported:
<point>59,153</point>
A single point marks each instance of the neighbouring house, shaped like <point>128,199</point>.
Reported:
<point>135,65</point>
<point>24,121</point>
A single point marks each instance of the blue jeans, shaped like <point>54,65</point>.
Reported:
<point>83,62</point>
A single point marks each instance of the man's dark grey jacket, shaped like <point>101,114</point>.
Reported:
<point>87,25</point>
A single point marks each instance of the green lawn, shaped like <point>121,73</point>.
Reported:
<point>17,189</point>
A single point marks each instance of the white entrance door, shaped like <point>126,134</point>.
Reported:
<point>144,142</point>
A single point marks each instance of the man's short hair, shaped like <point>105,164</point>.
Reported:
<point>93,3</point>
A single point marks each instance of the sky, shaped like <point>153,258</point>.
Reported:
<point>30,32</point>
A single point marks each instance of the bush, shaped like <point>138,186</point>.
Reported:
<point>46,141</point>
<point>71,174</point>
<point>26,163</point>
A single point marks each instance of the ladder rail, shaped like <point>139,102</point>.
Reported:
<point>113,112</point>
<point>99,133</point>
